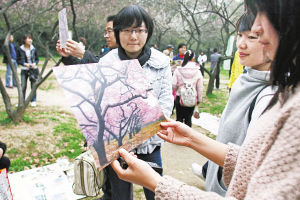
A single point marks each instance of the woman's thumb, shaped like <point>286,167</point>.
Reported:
<point>126,156</point>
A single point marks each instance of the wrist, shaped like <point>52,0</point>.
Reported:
<point>195,140</point>
<point>153,183</point>
<point>82,54</point>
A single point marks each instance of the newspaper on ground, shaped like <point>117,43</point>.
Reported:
<point>51,182</point>
<point>208,122</point>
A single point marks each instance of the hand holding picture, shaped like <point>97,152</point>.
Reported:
<point>138,171</point>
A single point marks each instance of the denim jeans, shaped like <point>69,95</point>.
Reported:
<point>24,78</point>
<point>9,73</point>
<point>117,189</point>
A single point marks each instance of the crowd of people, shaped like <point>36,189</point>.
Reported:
<point>257,151</point>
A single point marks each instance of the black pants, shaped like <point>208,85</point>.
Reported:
<point>184,114</point>
<point>202,69</point>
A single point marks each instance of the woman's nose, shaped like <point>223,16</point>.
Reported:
<point>241,44</point>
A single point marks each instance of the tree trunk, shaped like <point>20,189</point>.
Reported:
<point>100,149</point>
<point>212,78</point>
<point>120,141</point>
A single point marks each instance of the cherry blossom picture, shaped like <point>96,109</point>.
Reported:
<point>114,105</point>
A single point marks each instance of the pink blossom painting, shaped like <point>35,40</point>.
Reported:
<point>114,104</point>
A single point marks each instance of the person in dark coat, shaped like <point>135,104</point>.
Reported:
<point>4,161</point>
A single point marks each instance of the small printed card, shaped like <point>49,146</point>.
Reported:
<point>63,27</point>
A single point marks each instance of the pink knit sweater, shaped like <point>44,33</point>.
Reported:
<point>266,166</point>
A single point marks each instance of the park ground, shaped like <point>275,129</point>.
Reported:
<point>49,131</point>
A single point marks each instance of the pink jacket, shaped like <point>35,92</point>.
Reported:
<point>189,71</point>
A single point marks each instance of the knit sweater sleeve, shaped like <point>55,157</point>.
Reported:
<point>278,176</point>
<point>230,163</point>
<point>170,188</point>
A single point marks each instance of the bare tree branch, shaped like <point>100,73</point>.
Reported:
<point>4,8</point>
<point>74,20</point>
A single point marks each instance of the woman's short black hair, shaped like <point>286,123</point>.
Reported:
<point>181,45</point>
<point>132,15</point>
<point>284,16</point>
<point>245,22</point>
<point>25,36</point>
<point>110,18</point>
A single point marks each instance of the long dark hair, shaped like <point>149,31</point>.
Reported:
<point>130,15</point>
<point>188,56</point>
<point>284,15</point>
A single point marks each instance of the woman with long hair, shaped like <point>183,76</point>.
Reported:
<point>250,95</point>
<point>28,59</point>
<point>267,165</point>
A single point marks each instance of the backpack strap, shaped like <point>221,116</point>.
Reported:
<point>252,105</point>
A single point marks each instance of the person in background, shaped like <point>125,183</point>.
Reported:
<point>267,165</point>
<point>181,50</point>
<point>133,28</point>
<point>155,46</point>
<point>13,55</point>
<point>214,61</point>
<point>169,52</point>
<point>105,49</point>
<point>73,51</point>
<point>4,161</point>
<point>28,59</point>
<point>189,72</point>
<point>202,58</point>
<point>236,70</point>
<point>176,62</point>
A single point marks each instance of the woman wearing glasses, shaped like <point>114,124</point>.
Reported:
<point>133,28</point>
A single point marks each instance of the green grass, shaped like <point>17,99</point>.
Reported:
<point>214,103</point>
<point>71,143</point>
<point>19,164</point>
<point>27,154</point>
<point>4,120</point>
